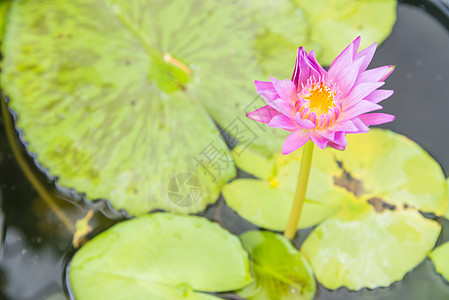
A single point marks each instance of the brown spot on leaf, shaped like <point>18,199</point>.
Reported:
<point>380,205</point>
<point>348,182</point>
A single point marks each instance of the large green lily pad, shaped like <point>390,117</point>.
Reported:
<point>281,272</point>
<point>159,256</point>
<point>361,247</point>
<point>381,167</point>
<point>4,4</point>
<point>335,23</point>
<point>114,97</point>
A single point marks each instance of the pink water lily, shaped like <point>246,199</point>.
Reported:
<point>323,106</point>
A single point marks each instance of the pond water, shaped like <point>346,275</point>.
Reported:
<point>37,246</point>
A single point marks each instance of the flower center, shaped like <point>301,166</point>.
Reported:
<point>319,102</point>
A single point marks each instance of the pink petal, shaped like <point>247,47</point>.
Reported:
<point>336,146</point>
<point>329,134</point>
<point>347,77</point>
<point>359,92</point>
<point>376,118</point>
<point>340,139</point>
<point>379,95</point>
<point>286,89</point>
<point>346,126</point>
<point>367,54</point>
<point>264,114</point>
<point>359,108</point>
<point>315,64</point>
<point>266,90</point>
<point>356,45</point>
<point>345,58</point>
<point>304,123</point>
<point>295,140</point>
<point>318,139</point>
<point>361,127</point>
<point>284,106</point>
<point>377,74</point>
<point>305,68</point>
<point>284,122</point>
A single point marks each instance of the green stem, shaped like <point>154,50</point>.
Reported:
<point>301,188</point>
<point>45,195</point>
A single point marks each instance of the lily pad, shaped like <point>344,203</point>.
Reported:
<point>4,5</point>
<point>281,272</point>
<point>361,247</point>
<point>115,98</point>
<point>381,167</point>
<point>160,256</point>
<point>440,259</point>
<point>335,23</point>
<point>447,210</point>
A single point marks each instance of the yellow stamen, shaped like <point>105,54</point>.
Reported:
<point>321,99</point>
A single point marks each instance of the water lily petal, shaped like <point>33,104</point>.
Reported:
<point>359,108</point>
<point>376,118</point>
<point>305,68</point>
<point>379,95</point>
<point>340,139</point>
<point>343,60</point>
<point>361,127</point>
<point>347,126</point>
<point>266,90</point>
<point>284,122</point>
<point>336,146</point>
<point>304,123</point>
<point>295,140</point>
<point>315,63</point>
<point>286,89</point>
<point>348,76</point>
<point>359,92</point>
<point>318,139</point>
<point>283,106</point>
<point>377,74</point>
<point>367,54</point>
<point>264,114</point>
<point>329,134</point>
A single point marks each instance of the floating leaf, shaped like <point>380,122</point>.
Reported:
<point>361,247</point>
<point>107,93</point>
<point>381,167</point>
<point>335,23</point>
<point>447,210</point>
<point>159,256</point>
<point>4,5</point>
<point>440,259</point>
<point>281,272</point>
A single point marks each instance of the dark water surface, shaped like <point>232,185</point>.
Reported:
<point>37,245</point>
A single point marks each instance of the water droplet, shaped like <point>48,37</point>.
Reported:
<point>438,77</point>
<point>13,188</point>
<point>419,63</point>
<point>23,252</point>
